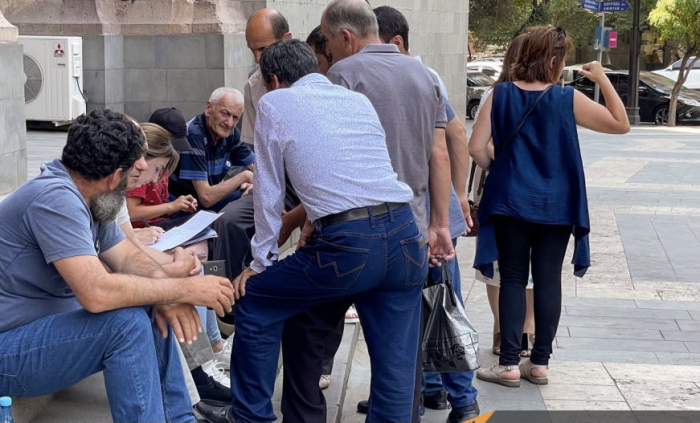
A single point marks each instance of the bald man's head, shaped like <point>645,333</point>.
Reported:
<point>265,27</point>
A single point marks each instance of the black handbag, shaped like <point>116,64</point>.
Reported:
<point>450,342</point>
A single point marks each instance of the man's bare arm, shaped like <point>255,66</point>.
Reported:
<point>439,240</point>
<point>211,194</point>
<point>458,149</point>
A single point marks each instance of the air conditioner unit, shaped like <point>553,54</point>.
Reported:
<point>53,67</point>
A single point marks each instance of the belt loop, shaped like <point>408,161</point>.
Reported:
<point>390,211</point>
<point>371,217</point>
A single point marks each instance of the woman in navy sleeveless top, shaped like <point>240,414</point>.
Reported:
<point>535,195</point>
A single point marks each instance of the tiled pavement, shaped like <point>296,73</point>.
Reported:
<point>628,336</point>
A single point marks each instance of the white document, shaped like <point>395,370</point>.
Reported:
<point>198,225</point>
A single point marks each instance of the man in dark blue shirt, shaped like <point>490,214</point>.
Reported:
<point>216,149</point>
<point>218,172</point>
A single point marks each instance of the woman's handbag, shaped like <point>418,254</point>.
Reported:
<point>450,342</point>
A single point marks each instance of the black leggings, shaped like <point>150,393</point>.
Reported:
<point>521,243</point>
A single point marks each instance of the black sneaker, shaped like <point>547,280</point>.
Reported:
<point>213,390</point>
<point>213,413</point>
<point>460,414</point>
<point>436,401</point>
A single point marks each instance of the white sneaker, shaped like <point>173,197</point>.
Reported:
<point>215,370</point>
<point>224,356</point>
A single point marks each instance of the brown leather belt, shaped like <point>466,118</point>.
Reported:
<point>358,213</point>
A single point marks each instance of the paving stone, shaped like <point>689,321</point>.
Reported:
<point>689,325</point>
<point>584,355</point>
<point>691,359</point>
<point>637,372</point>
<point>620,345</point>
<point>627,312</point>
<point>669,305</point>
<point>619,322</point>
<point>598,302</point>
<point>693,346</point>
<point>680,335</point>
<point>651,395</point>
<point>587,392</point>
<point>576,373</point>
<point>558,405</point>
<point>584,332</point>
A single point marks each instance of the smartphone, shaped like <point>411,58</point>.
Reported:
<point>215,267</point>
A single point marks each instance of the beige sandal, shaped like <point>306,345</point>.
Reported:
<point>526,373</point>
<point>493,375</point>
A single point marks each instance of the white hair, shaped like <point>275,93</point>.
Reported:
<point>354,15</point>
<point>218,93</point>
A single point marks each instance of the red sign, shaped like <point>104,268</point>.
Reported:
<point>612,39</point>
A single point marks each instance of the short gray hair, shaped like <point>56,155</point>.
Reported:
<point>354,15</point>
<point>218,93</point>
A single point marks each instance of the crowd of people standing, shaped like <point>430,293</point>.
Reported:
<point>352,140</point>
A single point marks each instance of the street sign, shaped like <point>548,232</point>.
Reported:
<point>606,6</point>
<point>590,4</point>
<point>614,6</point>
<point>612,39</point>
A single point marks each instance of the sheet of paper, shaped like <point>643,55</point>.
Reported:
<point>209,233</point>
<point>183,233</point>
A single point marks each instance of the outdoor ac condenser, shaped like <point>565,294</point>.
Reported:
<point>53,67</point>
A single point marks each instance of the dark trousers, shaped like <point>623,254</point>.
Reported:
<point>308,340</point>
<point>522,245</point>
<point>379,263</point>
<point>235,228</point>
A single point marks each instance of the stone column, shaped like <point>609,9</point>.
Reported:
<point>13,134</point>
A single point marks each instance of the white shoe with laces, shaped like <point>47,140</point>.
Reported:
<point>224,356</point>
<point>216,371</point>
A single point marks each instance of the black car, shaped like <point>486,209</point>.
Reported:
<point>477,84</point>
<point>654,96</point>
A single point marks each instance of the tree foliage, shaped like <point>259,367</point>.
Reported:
<point>678,20</point>
<point>495,22</point>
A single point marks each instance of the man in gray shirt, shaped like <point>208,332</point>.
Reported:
<point>363,244</point>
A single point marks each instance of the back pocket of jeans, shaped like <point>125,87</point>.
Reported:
<point>335,266</point>
<point>415,252</point>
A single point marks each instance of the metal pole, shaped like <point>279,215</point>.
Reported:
<point>633,79</point>
<point>596,93</point>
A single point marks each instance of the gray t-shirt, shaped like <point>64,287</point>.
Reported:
<point>45,220</point>
<point>407,99</point>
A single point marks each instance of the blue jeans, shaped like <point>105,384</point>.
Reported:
<point>142,371</point>
<point>380,263</point>
<point>209,323</point>
<point>458,384</point>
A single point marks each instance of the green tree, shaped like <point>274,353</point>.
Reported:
<point>679,20</point>
<point>495,22</point>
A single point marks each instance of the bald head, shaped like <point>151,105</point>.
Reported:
<point>265,27</point>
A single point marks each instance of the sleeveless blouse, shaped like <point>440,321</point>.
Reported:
<point>538,175</point>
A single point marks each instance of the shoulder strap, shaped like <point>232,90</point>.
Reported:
<point>522,121</point>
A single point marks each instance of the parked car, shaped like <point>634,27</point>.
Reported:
<point>671,72</point>
<point>654,96</point>
<point>489,67</point>
<point>477,84</point>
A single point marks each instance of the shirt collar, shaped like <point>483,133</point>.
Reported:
<point>380,48</point>
<point>311,78</point>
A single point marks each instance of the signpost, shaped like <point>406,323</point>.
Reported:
<point>604,39</point>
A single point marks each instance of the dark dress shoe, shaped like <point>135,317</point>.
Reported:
<point>460,414</point>
<point>213,413</point>
<point>363,406</point>
<point>436,401</point>
<point>213,390</point>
